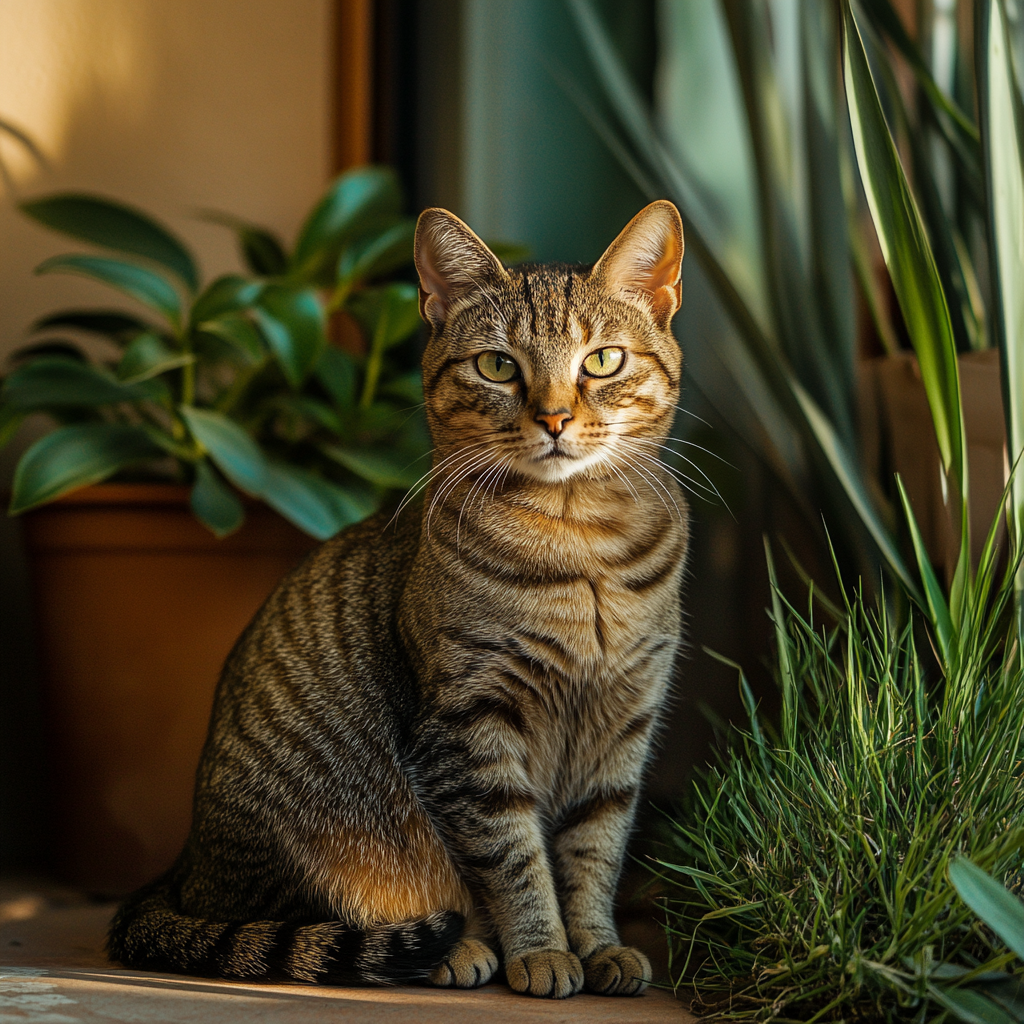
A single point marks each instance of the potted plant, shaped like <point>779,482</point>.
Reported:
<point>229,435</point>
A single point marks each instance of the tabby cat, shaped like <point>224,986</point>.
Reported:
<point>426,749</point>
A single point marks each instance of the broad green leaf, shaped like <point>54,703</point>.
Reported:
<point>388,314</point>
<point>214,503</point>
<point>225,295</point>
<point>261,250</point>
<point>292,321</point>
<point>1003,146</point>
<point>74,457</point>
<point>310,502</point>
<point>239,332</point>
<point>971,1007</point>
<point>381,466</point>
<point>844,465</point>
<point>138,282</point>
<point>114,226</point>
<point>117,326</point>
<point>336,371</point>
<point>54,347</point>
<point>232,450</point>
<point>148,356</point>
<point>357,199</point>
<point>993,903</point>
<point>378,254</point>
<point>907,254</point>
<point>56,382</point>
<point>936,607</point>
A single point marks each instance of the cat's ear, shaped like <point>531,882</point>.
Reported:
<point>646,260</point>
<point>451,261</point>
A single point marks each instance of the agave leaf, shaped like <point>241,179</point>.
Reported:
<point>1003,147</point>
<point>914,275</point>
<point>114,226</point>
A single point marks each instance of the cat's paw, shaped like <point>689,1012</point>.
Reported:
<point>550,973</point>
<point>469,964</point>
<point>616,971</point>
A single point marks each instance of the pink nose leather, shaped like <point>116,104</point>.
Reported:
<point>554,422</point>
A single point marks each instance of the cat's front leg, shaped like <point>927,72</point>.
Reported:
<point>589,845</point>
<point>474,784</point>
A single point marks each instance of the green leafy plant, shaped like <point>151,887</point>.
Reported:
<point>808,878</point>
<point>232,386</point>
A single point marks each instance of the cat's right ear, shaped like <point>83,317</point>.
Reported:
<point>450,261</point>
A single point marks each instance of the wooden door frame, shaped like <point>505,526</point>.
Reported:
<point>352,84</point>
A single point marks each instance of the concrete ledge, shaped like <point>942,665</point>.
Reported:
<point>53,971</point>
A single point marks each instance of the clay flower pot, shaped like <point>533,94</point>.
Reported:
<point>137,606</point>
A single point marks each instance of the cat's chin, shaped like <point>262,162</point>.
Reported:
<point>557,468</point>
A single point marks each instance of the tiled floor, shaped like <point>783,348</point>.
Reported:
<point>53,971</point>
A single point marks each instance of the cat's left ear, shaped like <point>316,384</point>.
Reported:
<point>646,261</point>
<point>451,261</point>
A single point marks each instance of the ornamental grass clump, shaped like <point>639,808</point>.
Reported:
<point>808,877</point>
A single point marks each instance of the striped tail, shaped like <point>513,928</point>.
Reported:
<point>148,933</point>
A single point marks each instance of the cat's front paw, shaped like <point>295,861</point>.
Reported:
<point>616,971</point>
<point>471,963</point>
<point>550,973</point>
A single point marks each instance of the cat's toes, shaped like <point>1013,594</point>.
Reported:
<point>469,964</point>
<point>616,971</point>
<point>550,973</point>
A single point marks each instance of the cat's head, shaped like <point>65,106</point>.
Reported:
<point>550,370</point>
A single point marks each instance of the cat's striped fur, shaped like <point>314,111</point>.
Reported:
<point>427,748</point>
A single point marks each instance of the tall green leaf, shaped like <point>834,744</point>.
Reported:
<point>214,503</point>
<point>356,200</point>
<point>75,456</point>
<point>114,226</point>
<point>60,382</point>
<point>312,503</point>
<point>1002,124</point>
<point>232,450</point>
<point>914,275</point>
<point>292,321</point>
<point>138,282</point>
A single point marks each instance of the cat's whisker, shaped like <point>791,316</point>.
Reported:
<point>688,483</point>
<point>480,486</point>
<point>652,481</point>
<point>710,486</point>
<point>424,481</point>
<point>629,487</point>
<point>462,472</point>
<point>687,412</point>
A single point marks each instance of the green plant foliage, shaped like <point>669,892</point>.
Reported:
<point>235,381</point>
<point>114,226</point>
<point>808,878</point>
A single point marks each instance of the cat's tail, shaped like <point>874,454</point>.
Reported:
<point>148,933</point>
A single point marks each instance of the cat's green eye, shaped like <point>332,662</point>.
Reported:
<point>496,366</point>
<point>604,362</point>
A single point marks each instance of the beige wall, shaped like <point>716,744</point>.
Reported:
<point>173,105</point>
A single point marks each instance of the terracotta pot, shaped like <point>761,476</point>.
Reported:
<point>899,437</point>
<point>137,606</point>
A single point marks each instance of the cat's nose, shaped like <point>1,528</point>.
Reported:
<point>554,422</point>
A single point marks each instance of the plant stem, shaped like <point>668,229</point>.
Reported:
<point>374,362</point>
